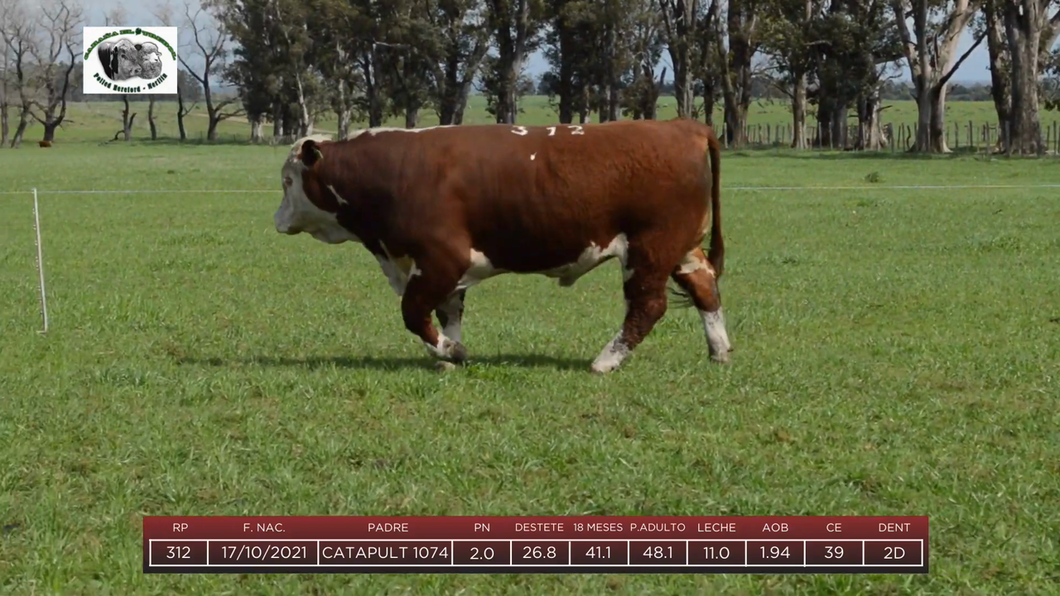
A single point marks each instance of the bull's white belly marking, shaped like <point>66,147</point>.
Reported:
<point>398,271</point>
<point>690,263</point>
<point>590,258</point>
<point>341,200</point>
<point>480,269</point>
<point>533,156</point>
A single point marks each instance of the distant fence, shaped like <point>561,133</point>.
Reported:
<point>896,137</point>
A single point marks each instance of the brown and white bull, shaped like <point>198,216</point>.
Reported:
<point>444,208</point>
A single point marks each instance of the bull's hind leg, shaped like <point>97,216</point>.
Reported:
<point>645,292</point>
<point>430,288</point>
<point>696,277</point>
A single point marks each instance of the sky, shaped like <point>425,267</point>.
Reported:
<point>976,69</point>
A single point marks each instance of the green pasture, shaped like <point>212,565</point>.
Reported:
<point>897,352</point>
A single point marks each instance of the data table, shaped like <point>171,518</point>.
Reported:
<point>536,544</point>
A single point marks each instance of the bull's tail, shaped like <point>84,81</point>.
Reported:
<point>716,252</point>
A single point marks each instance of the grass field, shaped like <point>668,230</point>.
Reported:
<point>896,353</point>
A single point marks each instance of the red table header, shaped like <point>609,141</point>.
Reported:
<point>537,528</point>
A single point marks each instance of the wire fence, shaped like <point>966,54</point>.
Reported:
<point>970,136</point>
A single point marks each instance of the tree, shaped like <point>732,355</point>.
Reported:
<point>6,82</point>
<point>209,42</point>
<point>463,46</point>
<point>411,48</point>
<point>515,25</point>
<point>569,50</point>
<point>931,52</point>
<point>17,30</point>
<point>788,42</point>
<point>1027,25</point>
<point>647,38</point>
<point>53,51</point>
<point>741,27</point>
<point>680,19</point>
<point>258,65</point>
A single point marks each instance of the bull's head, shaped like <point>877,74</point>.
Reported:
<point>309,204</point>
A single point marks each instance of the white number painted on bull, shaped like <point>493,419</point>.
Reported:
<point>574,128</point>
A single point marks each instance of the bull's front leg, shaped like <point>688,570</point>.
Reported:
<point>451,314</point>
<point>429,288</point>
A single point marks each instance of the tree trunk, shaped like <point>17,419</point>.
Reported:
<point>839,125</point>
<point>277,119</point>
<point>798,113</point>
<point>565,84</point>
<point>1023,30</point>
<point>23,122</point>
<point>371,93</point>
<point>684,88</point>
<point>923,121</point>
<point>49,132</point>
<point>1000,71</point>
<point>5,101</point>
<point>257,128</point>
<point>823,133</point>
<point>151,118</point>
<point>126,121</point>
<point>213,121</point>
<point>870,138</point>
<point>345,116</point>
<point>412,102</point>
<point>938,120</point>
<point>180,115</point>
<point>735,124</point>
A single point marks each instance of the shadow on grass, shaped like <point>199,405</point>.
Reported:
<point>392,363</point>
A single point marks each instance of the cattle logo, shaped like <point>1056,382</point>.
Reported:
<point>130,60</point>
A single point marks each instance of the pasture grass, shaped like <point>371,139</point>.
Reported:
<point>896,353</point>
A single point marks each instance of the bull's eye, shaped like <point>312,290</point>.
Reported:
<point>287,181</point>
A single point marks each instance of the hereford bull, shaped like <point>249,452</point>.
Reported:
<point>444,208</point>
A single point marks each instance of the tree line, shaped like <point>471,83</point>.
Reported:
<point>367,61</point>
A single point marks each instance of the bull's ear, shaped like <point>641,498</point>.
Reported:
<point>311,153</point>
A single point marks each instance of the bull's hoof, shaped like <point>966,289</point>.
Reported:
<point>602,368</point>
<point>722,358</point>
<point>442,366</point>
<point>456,353</point>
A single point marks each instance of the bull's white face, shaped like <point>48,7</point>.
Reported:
<point>150,61</point>
<point>297,213</point>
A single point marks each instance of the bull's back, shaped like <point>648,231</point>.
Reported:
<point>557,189</point>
